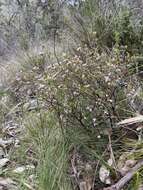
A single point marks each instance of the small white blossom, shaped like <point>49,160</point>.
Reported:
<point>107,78</point>
<point>89,108</point>
<point>94,120</point>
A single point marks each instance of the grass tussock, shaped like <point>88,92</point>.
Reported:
<point>48,150</point>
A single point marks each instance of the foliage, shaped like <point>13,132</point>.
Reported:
<point>88,89</point>
<point>113,23</point>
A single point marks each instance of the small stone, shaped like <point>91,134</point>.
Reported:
<point>7,184</point>
<point>29,92</point>
<point>2,154</point>
<point>5,143</point>
<point>3,162</point>
<point>31,105</point>
<point>131,163</point>
<point>104,175</point>
<point>19,170</point>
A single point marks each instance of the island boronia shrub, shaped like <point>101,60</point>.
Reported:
<point>89,89</point>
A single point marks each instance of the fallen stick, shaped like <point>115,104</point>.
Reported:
<point>123,181</point>
<point>131,121</point>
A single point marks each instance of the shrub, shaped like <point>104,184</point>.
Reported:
<point>88,90</point>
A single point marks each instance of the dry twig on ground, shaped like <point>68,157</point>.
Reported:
<point>123,181</point>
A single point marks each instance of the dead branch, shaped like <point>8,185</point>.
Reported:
<point>131,121</point>
<point>123,181</point>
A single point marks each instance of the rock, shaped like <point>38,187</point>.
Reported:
<point>7,184</point>
<point>29,92</point>
<point>3,162</point>
<point>4,143</point>
<point>104,173</point>
<point>21,169</point>
<point>125,164</point>
<point>31,105</point>
<point>2,154</point>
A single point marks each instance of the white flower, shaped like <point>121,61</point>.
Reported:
<point>94,120</point>
<point>89,108</point>
<point>107,78</point>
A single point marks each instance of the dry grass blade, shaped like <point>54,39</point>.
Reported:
<point>28,186</point>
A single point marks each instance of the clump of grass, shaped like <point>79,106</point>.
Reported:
<point>51,151</point>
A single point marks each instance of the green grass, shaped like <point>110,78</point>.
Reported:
<point>51,151</point>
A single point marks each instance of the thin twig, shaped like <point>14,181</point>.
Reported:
<point>28,186</point>
<point>74,168</point>
<point>112,153</point>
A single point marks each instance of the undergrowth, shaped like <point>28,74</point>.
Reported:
<point>83,98</point>
<point>71,132</point>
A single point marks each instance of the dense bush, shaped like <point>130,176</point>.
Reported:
<point>88,90</point>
